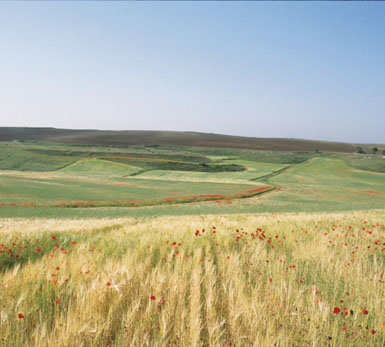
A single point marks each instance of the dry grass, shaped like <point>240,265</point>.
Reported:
<point>280,289</point>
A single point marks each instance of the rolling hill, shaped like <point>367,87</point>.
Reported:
<point>179,138</point>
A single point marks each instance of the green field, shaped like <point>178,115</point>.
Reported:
<point>40,179</point>
<point>190,246</point>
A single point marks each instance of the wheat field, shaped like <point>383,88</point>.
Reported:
<point>230,280</point>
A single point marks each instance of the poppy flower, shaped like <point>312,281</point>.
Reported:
<point>38,250</point>
<point>336,310</point>
<point>20,315</point>
<point>53,237</point>
<point>108,283</point>
<point>152,297</point>
<point>365,311</point>
<point>373,331</point>
<point>73,242</point>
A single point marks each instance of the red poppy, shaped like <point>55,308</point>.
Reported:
<point>336,310</point>
<point>73,242</point>
<point>373,331</point>
<point>38,250</point>
<point>153,297</point>
<point>20,315</point>
<point>365,311</point>
<point>108,283</point>
<point>53,237</point>
<point>58,302</point>
<point>270,280</point>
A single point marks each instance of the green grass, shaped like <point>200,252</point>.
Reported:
<point>278,157</point>
<point>76,175</point>
<point>99,167</point>
<point>151,164</point>
<point>54,189</point>
<point>325,184</point>
<point>139,152</point>
<point>375,163</point>
<point>14,156</point>
<point>253,171</point>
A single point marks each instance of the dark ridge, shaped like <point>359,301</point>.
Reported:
<point>179,138</point>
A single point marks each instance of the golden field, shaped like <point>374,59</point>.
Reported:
<point>246,280</point>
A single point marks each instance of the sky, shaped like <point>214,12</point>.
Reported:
<point>313,70</point>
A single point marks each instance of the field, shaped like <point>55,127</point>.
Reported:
<point>261,279</point>
<point>174,138</point>
<point>168,245</point>
<point>56,180</point>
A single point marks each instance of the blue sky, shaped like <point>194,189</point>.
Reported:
<point>271,69</point>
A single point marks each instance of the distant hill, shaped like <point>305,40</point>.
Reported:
<point>147,137</point>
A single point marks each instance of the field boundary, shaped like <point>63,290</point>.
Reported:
<point>141,203</point>
<point>278,172</point>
